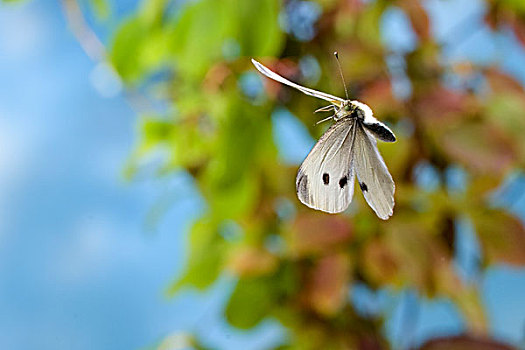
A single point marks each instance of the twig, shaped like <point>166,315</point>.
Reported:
<point>87,38</point>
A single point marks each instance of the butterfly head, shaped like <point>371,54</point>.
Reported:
<point>347,109</point>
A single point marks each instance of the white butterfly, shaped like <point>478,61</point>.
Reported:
<point>325,180</point>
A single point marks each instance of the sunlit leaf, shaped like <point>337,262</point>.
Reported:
<point>127,48</point>
<point>156,131</point>
<point>152,12</point>
<point>251,262</point>
<point>469,302</point>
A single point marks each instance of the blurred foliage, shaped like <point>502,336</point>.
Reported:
<point>101,8</point>
<point>294,264</point>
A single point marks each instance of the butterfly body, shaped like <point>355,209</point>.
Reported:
<point>325,179</point>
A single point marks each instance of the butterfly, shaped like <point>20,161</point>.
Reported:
<point>325,180</point>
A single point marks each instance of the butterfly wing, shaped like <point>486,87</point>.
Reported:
<point>381,131</point>
<point>325,180</point>
<point>373,176</point>
<point>272,75</point>
<point>378,129</point>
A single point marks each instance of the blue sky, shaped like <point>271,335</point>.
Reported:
<point>78,268</point>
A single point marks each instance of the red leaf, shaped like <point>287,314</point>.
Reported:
<point>481,147</point>
<point>503,82</point>
<point>518,27</point>
<point>327,284</point>
<point>465,342</point>
<point>380,264</point>
<point>251,261</point>
<point>378,93</point>
<point>442,105</point>
<point>418,17</point>
<point>506,14</point>
<point>314,233</point>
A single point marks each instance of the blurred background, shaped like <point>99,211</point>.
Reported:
<point>147,195</point>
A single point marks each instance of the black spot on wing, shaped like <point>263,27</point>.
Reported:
<point>381,132</point>
<point>363,186</point>
<point>326,178</point>
<point>343,182</point>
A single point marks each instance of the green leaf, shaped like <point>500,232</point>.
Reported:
<point>251,301</point>
<point>138,48</point>
<point>155,131</point>
<point>230,182</point>
<point>506,111</point>
<point>368,25</point>
<point>258,31</point>
<point>502,236</point>
<point>152,12</point>
<point>127,47</point>
<point>515,5</point>
<point>233,199</point>
<point>206,255</point>
<point>469,301</point>
<point>101,8</point>
<point>197,36</point>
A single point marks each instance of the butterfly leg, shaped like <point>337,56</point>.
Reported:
<point>325,119</point>
<point>325,109</point>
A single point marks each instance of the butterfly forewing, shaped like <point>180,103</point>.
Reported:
<point>325,180</point>
<point>272,75</point>
<point>372,174</point>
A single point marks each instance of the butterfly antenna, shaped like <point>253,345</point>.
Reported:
<point>341,72</point>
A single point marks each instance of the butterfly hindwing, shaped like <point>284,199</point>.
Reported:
<point>372,174</point>
<point>325,180</point>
